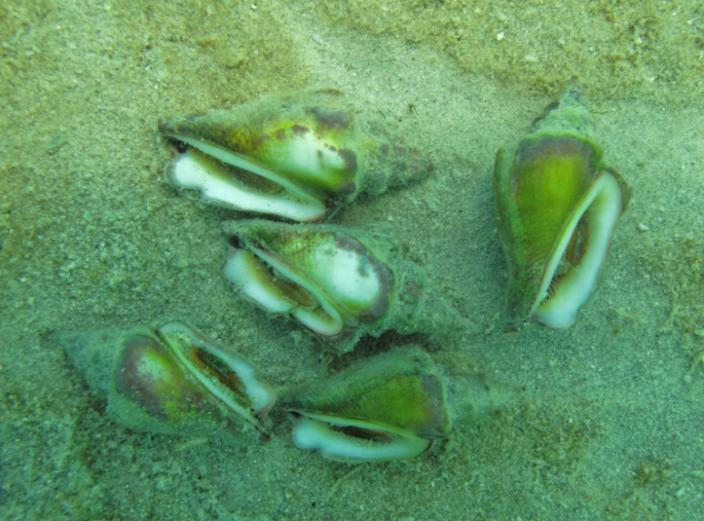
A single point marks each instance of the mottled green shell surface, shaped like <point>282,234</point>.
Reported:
<point>539,182</point>
<point>352,155</point>
<point>400,390</point>
<point>301,249</point>
<point>152,386</point>
<point>145,389</point>
<point>549,174</point>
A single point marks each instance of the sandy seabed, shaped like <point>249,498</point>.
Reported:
<point>602,421</point>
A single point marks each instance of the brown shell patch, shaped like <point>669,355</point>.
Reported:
<point>350,159</point>
<point>135,384</point>
<point>330,118</point>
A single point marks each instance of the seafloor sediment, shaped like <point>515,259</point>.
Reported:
<point>600,421</point>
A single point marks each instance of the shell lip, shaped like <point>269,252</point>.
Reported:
<point>358,425</point>
<point>589,225</point>
<point>391,406</point>
<point>277,294</point>
<point>327,301</point>
<point>592,223</point>
<point>245,162</point>
<point>236,188</point>
<point>279,265</point>
<point>350,441</point>
<point>223,374</point>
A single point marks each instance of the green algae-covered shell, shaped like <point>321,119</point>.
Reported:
<point>388,407</point>
<point>145,388</point>
<point>400,391</point>
<point>298,157</point>
<point>340,282</point>
<point>167,379</point>
<point>553,192</point>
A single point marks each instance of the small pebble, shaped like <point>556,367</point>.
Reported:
<point>643,227</point>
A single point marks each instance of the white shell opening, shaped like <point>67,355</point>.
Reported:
<point>313,434</point>
<point>217,185</point>
<point>260,395</point>
<point>603,205</point>
<point>248,273</point>
<point>327,319</point>
<point>318,321</point>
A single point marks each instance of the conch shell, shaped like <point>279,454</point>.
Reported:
<point>391,406</point>
<point>297,157</point>
<point>558,204</point>
<point>169,379</point>
<point>339,282</point>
